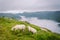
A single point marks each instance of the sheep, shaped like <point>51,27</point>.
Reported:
<point>44,29</point>
<point>23,27</point>
<point>32,29</point>
<point>18,27</point>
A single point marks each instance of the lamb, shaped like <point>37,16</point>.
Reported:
<point>32,29</point>
<point>18,27</point>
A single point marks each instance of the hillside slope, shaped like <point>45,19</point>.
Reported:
<point>6,34</point>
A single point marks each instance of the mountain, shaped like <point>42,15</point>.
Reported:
<point>50,15</point>
<point>6,33</point>
<point>10,15</point>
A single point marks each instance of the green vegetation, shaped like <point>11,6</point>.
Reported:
<point>6,34</point>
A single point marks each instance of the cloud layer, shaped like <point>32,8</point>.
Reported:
<point>29,5</point>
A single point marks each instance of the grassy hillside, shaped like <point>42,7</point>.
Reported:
<point>6,34</point>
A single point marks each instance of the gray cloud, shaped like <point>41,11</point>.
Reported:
<point>29,5</point>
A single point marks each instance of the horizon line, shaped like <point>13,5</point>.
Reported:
<point>22,11</point>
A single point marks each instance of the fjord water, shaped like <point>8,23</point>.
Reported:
<point>49,20</point>
<point>46,19</point>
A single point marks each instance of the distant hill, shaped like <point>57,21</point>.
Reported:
<point>51,15</point>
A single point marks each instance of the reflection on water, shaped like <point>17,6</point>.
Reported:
<point>49,24</point>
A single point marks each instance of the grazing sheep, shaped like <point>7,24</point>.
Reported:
<point>18,27</point>
<point>32,29</point>
<point>44,29</point>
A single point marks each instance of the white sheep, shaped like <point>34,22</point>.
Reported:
<point>18,27</point>
<point>44,29</point>
<point>32,29</point>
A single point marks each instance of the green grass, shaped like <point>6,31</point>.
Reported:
<point>6,34</point>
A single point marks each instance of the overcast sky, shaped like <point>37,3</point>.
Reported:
<point>6,5</point>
